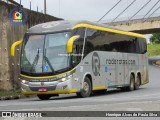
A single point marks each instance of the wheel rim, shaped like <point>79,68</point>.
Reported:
<point>86,87</point>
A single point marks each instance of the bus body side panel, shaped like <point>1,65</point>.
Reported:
<point>104,76</point>
<point>120,74</point>
<point>108,67</point>
<point>114,71</point>
<point>133,64</point>
<point>92,65</point>
<point>126,70</point>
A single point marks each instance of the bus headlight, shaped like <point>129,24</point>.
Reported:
<point>24,81</point>
<point>65,78</point>
<point>62,79</point>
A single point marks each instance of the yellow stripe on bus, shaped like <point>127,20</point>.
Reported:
<point>99,88</point>
<point>109,30</point>
<point>51,92</point>
<point>46,76</point>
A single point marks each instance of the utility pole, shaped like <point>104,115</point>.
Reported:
<point>45,11</point>
<point>20,3</point>
<point>30,5</point>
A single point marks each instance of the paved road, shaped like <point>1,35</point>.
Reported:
<point>147,98</point>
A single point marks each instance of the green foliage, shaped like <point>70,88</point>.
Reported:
<point>153,50</point>
<point>155,38</point>
<point>9,93</point>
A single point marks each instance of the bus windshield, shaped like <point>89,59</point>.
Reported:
<point>45,53</point>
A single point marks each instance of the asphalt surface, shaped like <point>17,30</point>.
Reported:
<point>147,98</point>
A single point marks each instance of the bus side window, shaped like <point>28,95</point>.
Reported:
<point>143,46</point>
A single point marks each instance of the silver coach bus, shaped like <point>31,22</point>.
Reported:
<point>65,57</point>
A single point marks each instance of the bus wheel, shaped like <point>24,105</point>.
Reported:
<point>43,97</point>
<point>131,86</point>
<point>137,83</point>
<point>87,89</point>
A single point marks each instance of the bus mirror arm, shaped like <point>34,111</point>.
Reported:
<point>71,42</point>
<point>14,46</point>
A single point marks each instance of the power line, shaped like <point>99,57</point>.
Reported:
<point>109,11</point>
<point>152,14</point>
<point>124,10</point>
<point>140,9</point>
<point>151,8</point>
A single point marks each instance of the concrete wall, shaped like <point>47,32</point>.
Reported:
<point>9,66</point>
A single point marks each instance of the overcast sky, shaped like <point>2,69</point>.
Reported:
<point>91,10</point>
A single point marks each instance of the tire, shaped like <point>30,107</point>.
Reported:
<point>137,82</point>
<point>132,83</point>
<point>43,97</point>
<point>87,89</point>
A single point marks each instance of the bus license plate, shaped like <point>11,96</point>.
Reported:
<point>42,89</point>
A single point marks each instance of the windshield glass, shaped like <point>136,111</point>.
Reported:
<point>45,53</point>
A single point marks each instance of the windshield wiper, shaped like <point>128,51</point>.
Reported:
<point>35,61</point>
<point>47,60</point>
<point>49,63</point>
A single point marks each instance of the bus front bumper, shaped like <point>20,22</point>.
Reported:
<point>55,87</point>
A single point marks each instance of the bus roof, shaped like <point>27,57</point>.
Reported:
<point>63,25</point>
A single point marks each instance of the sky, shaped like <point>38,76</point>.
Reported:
<point>91,10</point>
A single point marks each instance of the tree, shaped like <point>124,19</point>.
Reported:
<point>155,38</point>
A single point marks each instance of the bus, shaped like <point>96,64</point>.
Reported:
<point>63,57</point>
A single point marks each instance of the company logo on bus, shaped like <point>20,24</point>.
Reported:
<point>95,64</point>
<point>42,83</point>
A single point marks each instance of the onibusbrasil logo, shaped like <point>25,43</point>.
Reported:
<point>18,17</point>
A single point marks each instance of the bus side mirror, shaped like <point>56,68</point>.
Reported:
<point>70,43</point>
<point>14,46</point>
